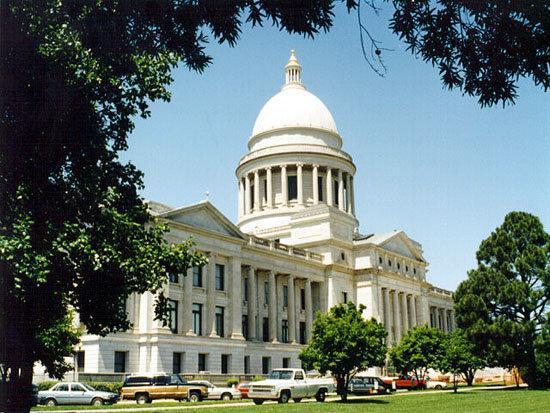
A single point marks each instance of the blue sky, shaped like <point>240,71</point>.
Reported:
<point>429,161</point>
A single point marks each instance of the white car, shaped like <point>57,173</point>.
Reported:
<point>218,393</point>
<point>285,384</point>
<point>435,384</point>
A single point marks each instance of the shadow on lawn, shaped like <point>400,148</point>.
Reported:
<point>362,401</point>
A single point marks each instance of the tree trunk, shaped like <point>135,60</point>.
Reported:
<point>455,386</point>
<point>341,388</point>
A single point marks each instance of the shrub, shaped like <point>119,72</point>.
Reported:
<point>258,378</point>
<point>232,382</point>
<point>45,385</point>
<point>113,387</point>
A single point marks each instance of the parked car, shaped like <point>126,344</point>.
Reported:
<point>243,388</point>
<point>285,384</point>
<point>75,393</point>
<point>218,393</point>
<point>405,382</point>
<point>435,384</point>
<point>144,388</point>
<point>368,385</point>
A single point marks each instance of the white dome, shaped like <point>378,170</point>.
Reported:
<point>294,106</point>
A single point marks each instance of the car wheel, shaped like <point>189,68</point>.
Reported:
<point>439,387</point>
<point>258,401</point>
<point>298,400</point>
<point>142,399</point>
<point>51,402</point>
<point>194,398</point>
<point>226,396</point>
<point>284,398</point>
<point>97,402</point>
<point>320,396</point>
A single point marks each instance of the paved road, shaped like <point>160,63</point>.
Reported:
<point>196,406</point>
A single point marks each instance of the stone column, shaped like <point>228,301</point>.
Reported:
<point>300,183</point>
<point>437,317</point>
<point>247,194</point>
<point>315,182</point>
<point>272,307</point>
<point>236,298</point>
<point>241,197</point>
<point>405,317</point>
<point>352,197</point>
<point>269,188</point>
<point>381,308</point>
<point>341,205</point>
<point>387,318</point>
<point>252,303</point>
<point>211,296</point>
<point>291,311</point>
<point>445,327</point>
<point>396,317</point>
<point>413,311</point>
<point>309,310</point>
<point>284,185</point>
<point>188,303</point>
<point>257,204</point>
<point>348,192</point>
<point>329,186</point>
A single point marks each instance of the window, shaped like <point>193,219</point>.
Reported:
<point>197,319</point>
<point>266,292</point>
<point>292,187</point>
<point>246,364</point>
<point>265,189</point>
<point>220,277</point>
<point>220,321</point>
<point>80,359</point>
<point>197,276</point>
<point>379,260</point>
<point>343,256</point>
<point>285,295</point>
<point>302,299</point>
<point>251,196</point>
<point>245,290</point>
<point>77,387</point>
<point>344,297</point>
<point>62,387</point>
<point>120,362</point>
<point>176,363</point>
<point>335,193</point>
<point>389,263</point>
<point>245,326</point>
<point>225,363</point>
<point>284,331</point>
<point>406,268</point>
<point>174,278</point>
<point>302,332</point>
<point>265,329</point>
<point>414,270</point>
<point>173,316</point>
<point>202,362</point>
<point>266,365</point>
<point>398,266</point>
<point>286,362</point>
<point>298,376</point>
<point>320,188</point>
<point>432,323</point>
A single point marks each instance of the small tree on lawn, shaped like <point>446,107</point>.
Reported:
<point>459,358</point>
<point>344,343</point>
<point>420,348</point>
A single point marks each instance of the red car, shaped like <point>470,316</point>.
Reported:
<point>243,388</point>
<point>406,382</point>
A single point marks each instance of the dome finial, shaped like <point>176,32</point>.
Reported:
<point>293,71</point>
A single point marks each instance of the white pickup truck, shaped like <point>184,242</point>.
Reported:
<point>285,384</point>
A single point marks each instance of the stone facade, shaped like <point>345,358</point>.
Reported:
<point>295,250</point>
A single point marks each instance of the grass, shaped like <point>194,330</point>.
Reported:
<point>132,405</point>
<point>498,401</point>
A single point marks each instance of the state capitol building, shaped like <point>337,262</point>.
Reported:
<point>294,250</point>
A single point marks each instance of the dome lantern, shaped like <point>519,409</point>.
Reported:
<point>293,71</point>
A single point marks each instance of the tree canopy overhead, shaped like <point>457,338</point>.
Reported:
<point>503,305</point>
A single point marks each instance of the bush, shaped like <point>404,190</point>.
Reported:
<point>232,382</point>
<point>258,378</point>
<point>45,385</point>
<point>113,387</point>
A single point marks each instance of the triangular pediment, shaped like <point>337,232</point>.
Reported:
<point>398,242</point>
<point>204,216</point>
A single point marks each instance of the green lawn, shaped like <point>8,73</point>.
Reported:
<point>498,401</point>
<point>167,403</point>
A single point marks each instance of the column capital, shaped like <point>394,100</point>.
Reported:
<point>268,168</point>
<point>314,165</point>
<point>300,164</point>
<point>283,165</point>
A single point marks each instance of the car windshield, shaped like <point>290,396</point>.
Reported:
<point>89,388</point>
<point>281,375</point>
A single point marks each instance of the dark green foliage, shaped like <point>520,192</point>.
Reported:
<point>420,348</point>
<point>46,385</point>
<point>503,304</point>
<point>232,382</point>
<point>459,357</point>
<point>113,387</point>
<point>479,47</point>
<point>344,343</point>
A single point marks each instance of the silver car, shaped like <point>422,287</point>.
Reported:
<point>75,393</point>
<point>218,393</point>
